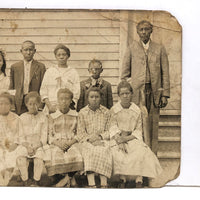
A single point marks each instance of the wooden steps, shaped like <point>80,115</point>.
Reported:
<point>168,139</point>
<point>169,134</point>
<point>177,124</point>
<point>167,155</point>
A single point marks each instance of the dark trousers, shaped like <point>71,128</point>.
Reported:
<point>23,107</point>
<point>153,118</point>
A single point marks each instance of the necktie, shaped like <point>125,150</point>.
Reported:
<point>148,76</point>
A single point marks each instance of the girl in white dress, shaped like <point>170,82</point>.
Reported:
<point>35,130</point>
<point>132,158</point>
<point>61,76</point>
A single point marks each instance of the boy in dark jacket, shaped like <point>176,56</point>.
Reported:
<point>95,69</point>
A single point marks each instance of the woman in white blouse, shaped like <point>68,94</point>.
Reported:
<point>4,80</point>
<point>61,76</point>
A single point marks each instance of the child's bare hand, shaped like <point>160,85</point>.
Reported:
<point>125,133</point>
<point>67,145</point>
<point>61,144</point>
<point>98,143</point>
<point>120,140</point>
<point>62,147</point>
<point>115,136</point>
<point>94,138</point>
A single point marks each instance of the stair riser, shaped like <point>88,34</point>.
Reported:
<point>169,146</point>
<point>169,118</point>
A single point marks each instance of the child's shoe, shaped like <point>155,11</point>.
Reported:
<point>35,183</point>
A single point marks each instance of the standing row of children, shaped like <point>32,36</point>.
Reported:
<point>95,140</point>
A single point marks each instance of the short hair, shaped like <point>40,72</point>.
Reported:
<point>144,22</point>
<point>3,68</point>
<point>7,95</point>
<point>95,61</point>
<point>65,91</point>
<point>32,94</point>
<point>29,41</point>
<point>62,46</point>
<point>124,84</point>
<point>94,89</point>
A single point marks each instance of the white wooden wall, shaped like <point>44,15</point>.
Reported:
<point>88,34</point>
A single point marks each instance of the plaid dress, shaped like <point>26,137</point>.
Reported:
<point>97,158</point>
<point>63,126</point>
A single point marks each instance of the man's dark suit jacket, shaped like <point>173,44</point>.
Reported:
<point>17,80</point>
<point>106,100</point>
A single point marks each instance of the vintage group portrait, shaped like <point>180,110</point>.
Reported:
<point>89,98</point>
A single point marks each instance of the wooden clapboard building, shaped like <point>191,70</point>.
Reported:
<point>102,35</point>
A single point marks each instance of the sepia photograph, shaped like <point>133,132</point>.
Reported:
<point>90,98</point>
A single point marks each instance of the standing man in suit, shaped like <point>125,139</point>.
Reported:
<point>146,66</point>
<point>26,76</point>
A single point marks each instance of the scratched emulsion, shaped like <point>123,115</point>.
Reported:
<point>13,26</point>
<point>102,35</point>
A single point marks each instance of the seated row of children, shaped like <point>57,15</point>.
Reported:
<point>95,141</point>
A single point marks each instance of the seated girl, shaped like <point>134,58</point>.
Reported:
<point>35,129</point>
<point>132,158</point>
<point>65,158</point>
<point>60,76</point>
<point>93,121</point>
<point>10,135</point>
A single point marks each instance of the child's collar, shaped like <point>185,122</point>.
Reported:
<point>28,62</point>
<point>118,107</point>
<point>97,110</point>
<point>95,81</point>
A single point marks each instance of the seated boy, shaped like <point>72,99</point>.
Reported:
<point>95,69</point>
<point>26,76</point>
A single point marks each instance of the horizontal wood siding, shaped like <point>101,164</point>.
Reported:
<point>88,34</point>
